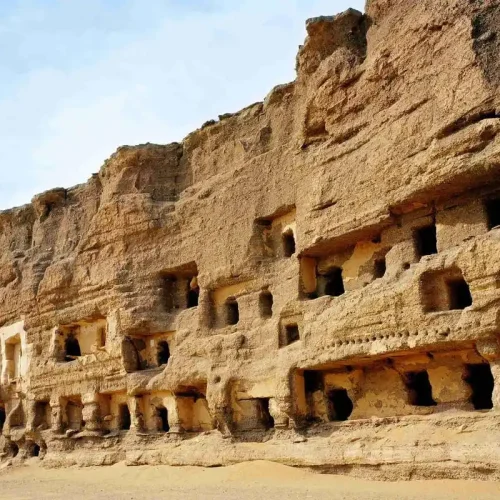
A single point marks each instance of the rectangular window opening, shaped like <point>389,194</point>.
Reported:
<point>380,268</point>
<point>290,334</point>
<point>334,285</point>
<point>419,389</point>
<point>481,382</point>
<point>493,212</point>
<point>426,240</point>
<point>459,294</point>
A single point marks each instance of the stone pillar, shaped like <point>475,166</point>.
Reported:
<point>91,412</point>
<point>219,405</point>
<point>30,409</point>
<point>57,416</point>
<point>495,371</point>
<point>490,350</point>
<point>278,409</point>
<point>174,422</point>
<point>135,405</point>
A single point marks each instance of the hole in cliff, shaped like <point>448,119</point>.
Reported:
<point>426,240</point>
<point>339,405</point>
<point>290,334</point>
<point>493,212</point>
<point>288,243</point>
<point>266,418</point>
<point>193,295</point>
<point>2,419</point>
<point>162,414</point>
<point>266,304</point>
<point>419,389</point>
<point>14,449</point>
<point>380,268</point>
<point>72,348</point>
<point>313,381</point>
<point>35,450</point>
<point>459,294</point>
<point>124,417</point>
<point>232,311</point>
<point>102,337</point>
<point>42,414</point>
<point>334,283</point>
<point>481,382</point>
<point>444,290</point>
<point>163,354</point>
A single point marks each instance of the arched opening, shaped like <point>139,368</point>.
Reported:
<point>124,420</point>
<point>480,380</point>
<point>266,304</point>
<point>339,405</point>
<point>162,414</point>
<point>334,283</point>
<point>163,354</point>
<point>288,240</point>
<point>72,348</point>
<point>380,268</point>
<point>35,450</point>
<point>419,389</point>
<point>232,311</point>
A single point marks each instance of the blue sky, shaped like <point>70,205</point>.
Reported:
<point>78,78</point>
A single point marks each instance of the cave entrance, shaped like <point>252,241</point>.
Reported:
<point>339,405</point>
<point>480,380</point>
<point>419,389</point>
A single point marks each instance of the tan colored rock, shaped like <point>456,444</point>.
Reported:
<point>317,274</point>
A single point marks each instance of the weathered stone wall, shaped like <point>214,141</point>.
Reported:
<point>312,280</point>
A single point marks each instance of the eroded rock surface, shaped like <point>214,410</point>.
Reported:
<point>313,280</point>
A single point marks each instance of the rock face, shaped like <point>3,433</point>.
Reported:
<point>313,280</point>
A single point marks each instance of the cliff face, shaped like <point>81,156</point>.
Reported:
<point>328,255</point>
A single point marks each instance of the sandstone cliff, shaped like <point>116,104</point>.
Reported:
<point>312,280</point>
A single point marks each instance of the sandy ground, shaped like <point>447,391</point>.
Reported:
<point>256,480</point>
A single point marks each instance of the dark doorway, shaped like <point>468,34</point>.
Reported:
<point>339,405</point>
<point>232,312</point>
<point>290,334</point>
<point>266,304</point>
<point>380,268</point>
<point>334,283</point>
<point>459,294</point>
<point>193,297</point>
<point>419,389</point>
<point>72,347</point>
<point>163,354</point>
<point>162,414</point>
<point>35,450</point>
<point>2,418</point>
<point>124,417</point>
<point>265,416</point>
<point>426,240</point>
<point>493,212</point>
<point>288,243</point>
<point>481,381</point>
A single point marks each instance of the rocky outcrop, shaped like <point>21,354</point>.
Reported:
<point>311,280</point>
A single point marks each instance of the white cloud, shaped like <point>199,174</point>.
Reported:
<point>63,117</point>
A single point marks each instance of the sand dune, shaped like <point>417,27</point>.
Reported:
<point>250,480</point>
